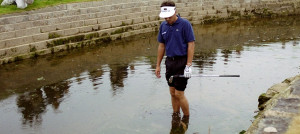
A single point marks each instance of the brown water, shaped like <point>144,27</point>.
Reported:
<point>112,88</point>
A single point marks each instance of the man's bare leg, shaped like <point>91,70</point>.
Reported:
<point>183,102</point>
<point>175,100</point>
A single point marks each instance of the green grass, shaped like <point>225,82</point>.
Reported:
<point>37,4</point>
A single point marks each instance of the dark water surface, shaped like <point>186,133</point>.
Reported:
<point>112,89</point>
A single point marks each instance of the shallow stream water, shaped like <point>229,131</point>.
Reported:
<point>112,88</point>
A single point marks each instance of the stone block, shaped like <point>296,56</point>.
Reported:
<point>39,45</point>
<point>63,26</point>
<point>33,17</point>
<point>26,40</point>
<point>40,23</point>
<point>147,30</point>
<point>116,7</point>
<point>9,20</point>
<point>120,17</point>
<point>95,28</point>
<point>19,19</point>
<point>296,88</point>
<point>193,13</point>
<point>99,15</point>
<point>129,16</point>
<point>2,44</point>
<point>7,35</point>
<point>146,19</point>
<point>24,25</point>
<point>223,15</point>
<point>86,29</point>
<point>103,20</point>
<point>54,21</point>
<point>281,124</point>
<point>153,18</point>
<point>83,11</point>
<point>289,105</point>
<point>116,24</point>
<point>90,22</point>
<point>3,21</point>
<point>113,13</point>
<point>76,18</point>
<point>6,28</point>
<point>76,24</point>
<point>125,11</point>
<point>180,5</point>
<point>24,49</point>
<point>49,28</point>
<point>89,16</point>
<point>71,31</point>
<point>127,22</point>
<point>221,11</point>
<point>40,37</point>
<point>185,9</point>
<point>212,12</point>
<point>184,14</point>
<point>27,32</point>
<point>105,25</point>
<point>112,18</point>
<point>137,20</point>
<point>75,12</point>
<point>149,8</point>
<point>92,10</point>
<point>2,54</point>
<point>14,42</point>
<point>10,52</point>
<point>59,14</point>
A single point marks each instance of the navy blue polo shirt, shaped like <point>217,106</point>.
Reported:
<point>176,36</point>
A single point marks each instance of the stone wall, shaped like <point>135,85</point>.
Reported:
<point>64,27</point>
<point>279,109</point>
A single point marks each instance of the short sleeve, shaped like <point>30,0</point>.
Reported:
<point>189,32</point>
<point>159,36</point>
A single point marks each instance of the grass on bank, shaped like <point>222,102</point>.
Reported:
<point>37,4</point>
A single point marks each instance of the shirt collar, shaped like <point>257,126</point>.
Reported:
<point>179,19</point>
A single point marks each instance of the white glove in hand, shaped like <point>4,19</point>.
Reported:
<point>188,71</point>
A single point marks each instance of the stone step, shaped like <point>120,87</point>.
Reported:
<point>42,18</point>
<point>53,21</point>
<point>56,18</point>
<point>69,29</point>
<point>71,12</point>
<point>28,51</point>
<point>72,22</point>
<point>117,32</point>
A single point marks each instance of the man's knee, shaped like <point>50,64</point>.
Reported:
<point>172,91</point>
<point>179,94</point>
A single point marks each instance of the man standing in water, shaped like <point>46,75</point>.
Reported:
<point>176,38</point>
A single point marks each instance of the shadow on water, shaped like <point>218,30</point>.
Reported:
<point>48,80</point>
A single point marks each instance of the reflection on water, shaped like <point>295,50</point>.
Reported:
<point>112,88</point>
<point>33,104</point>
<point>179,126</point>
<point>117,75</point>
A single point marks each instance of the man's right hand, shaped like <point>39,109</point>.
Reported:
<point>157,72</point>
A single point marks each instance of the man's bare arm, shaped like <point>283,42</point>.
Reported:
<point>190,53</point>
<point>160,55</point>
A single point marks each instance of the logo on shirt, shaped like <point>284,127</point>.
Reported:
<point>177,30</point>
<point>163,33</point>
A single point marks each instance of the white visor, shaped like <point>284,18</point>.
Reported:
<point>166,12</point>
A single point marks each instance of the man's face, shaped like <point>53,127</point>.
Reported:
<point>171,19</point>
